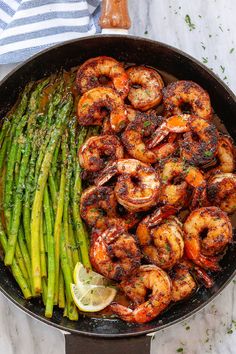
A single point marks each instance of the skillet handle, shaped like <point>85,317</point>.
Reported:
<point>75,344</point>
<point>114,16</point>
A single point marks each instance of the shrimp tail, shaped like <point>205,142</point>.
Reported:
<point>205,278</point>
<point>123,312</point>
<point>160,214</point>
<point>106,174</point>
<point>159,135</point>
<point>209,263</point>
<point>199,197</point>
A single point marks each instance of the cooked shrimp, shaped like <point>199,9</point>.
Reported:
<point>200,140</point>
<point>221,191</point>
<point>150,92</point>
<point>98,150</point>
<point>114,253</point>
<point>138,185</point>
<point>215,227</point>
<point>134,137</point>
<point>131,115</point>
<point>99,208</point>
<point>91,107</point>
<point>90,75</point>
<point>225,156</point>
<point>148,278</point>
<point>161,242</point>
<point>98,203</point>
<point>183,284</point>
<point>177,176</point>
<point>183,279</point>
<point>186,97</point>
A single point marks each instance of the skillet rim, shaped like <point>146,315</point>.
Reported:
<point>223,286</point>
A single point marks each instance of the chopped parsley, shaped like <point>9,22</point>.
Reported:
<point>208,153</point>
<point>146,124</point>
<point>180,350</point>
<point>231,50</point>
<point>190,24</point>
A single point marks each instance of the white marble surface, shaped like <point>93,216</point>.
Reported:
<point>212,330</point>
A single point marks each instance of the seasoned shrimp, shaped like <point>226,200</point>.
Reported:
<point>148,278</point>
<point>90,75</point>
<point>93,104</point>
<point>186,97</point>
<point>114,253</point>
<point>131,115</point>
<point>99,208</point>
<point>98,203</point>
<point>98,150</point>
<point>134,141</point>
<point>150,92</point>
<point>177,176</point>
<point>225,156</point>
<point>215,227</point>
<point>161,241</point>
<point>138,185</point>
<point>221,191</point>
<point>200,141</point>
<point>183,284</point>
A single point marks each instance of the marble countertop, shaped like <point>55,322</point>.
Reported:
<point>208,33</point>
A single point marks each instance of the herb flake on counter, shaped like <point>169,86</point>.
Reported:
<point>203,46</point>
<point>221,29</point>
<point>187,328</point>
<point>222,68</point>
<point>231,50</point>
<point>146,32</point>
<point>180,350</point>
<point>204,60</point>
<point>190,24</point>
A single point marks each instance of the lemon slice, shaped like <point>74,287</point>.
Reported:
<point>86,277</point>
<point>91,291</point>
<point>92,298</point>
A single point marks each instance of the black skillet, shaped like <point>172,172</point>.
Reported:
<point>98,335</point>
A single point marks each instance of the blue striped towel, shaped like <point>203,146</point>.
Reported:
<point>28,26</point>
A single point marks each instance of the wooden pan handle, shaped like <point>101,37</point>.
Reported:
<point>115,14</point>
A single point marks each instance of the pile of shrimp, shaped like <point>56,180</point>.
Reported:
<point>161,189</point>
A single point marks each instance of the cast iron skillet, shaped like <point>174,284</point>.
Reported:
<point>163,57</point>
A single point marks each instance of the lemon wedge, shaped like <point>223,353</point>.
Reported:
<point>91,292</point>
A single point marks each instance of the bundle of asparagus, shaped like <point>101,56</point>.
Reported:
<point>41,231</point>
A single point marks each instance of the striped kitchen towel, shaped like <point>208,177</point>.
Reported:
<point>28,26</point>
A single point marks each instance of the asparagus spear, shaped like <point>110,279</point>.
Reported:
<point>71,310</point>
<point>67,156</point>
<point>80,231</point>
<point>14,227</point>
<point>37,203</point>
<point>51,255</point>
<point>57,226</point>
<point>15,268</point>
